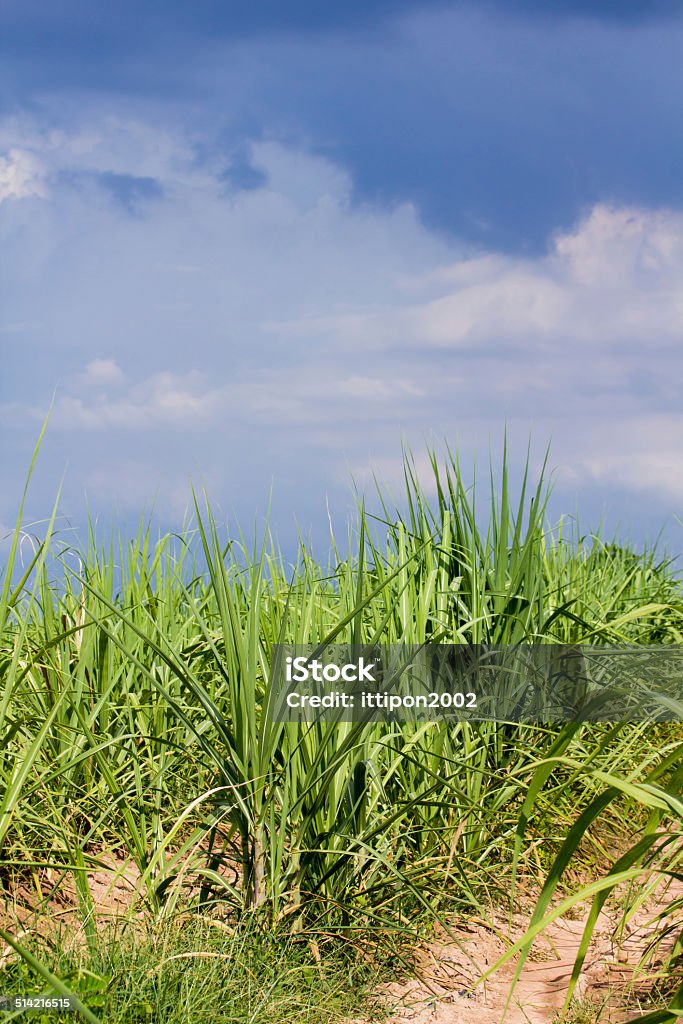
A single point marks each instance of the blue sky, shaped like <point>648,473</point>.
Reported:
<point>261,245</point>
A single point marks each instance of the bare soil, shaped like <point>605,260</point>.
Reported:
<point>444,989</point>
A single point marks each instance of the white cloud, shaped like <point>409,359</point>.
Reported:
<point>379,388</point>
<point>615,279</point>
<point>614,247</point>
<point>21,175</point>
<point>102,372</point>
<point>186,401</point>
<point>162,400</point>
<point>641,453</point>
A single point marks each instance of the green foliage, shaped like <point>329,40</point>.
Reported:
<point>197,970</point>
<point>135,684</point>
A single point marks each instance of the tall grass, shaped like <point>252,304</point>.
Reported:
<point>136,683</point>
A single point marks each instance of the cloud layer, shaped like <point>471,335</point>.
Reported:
<point>276,329</point>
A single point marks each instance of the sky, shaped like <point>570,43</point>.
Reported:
<point>262,247</point>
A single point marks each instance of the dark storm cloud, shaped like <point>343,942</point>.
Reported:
<point>74,37</point>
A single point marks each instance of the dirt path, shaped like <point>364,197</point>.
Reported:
<point>443,990</point>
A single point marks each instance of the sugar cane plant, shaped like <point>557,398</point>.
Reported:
<point>137,678</point>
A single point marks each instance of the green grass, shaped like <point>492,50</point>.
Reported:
<point>135,680</point>
<point>582,1011</point>
<point>201,970</point>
